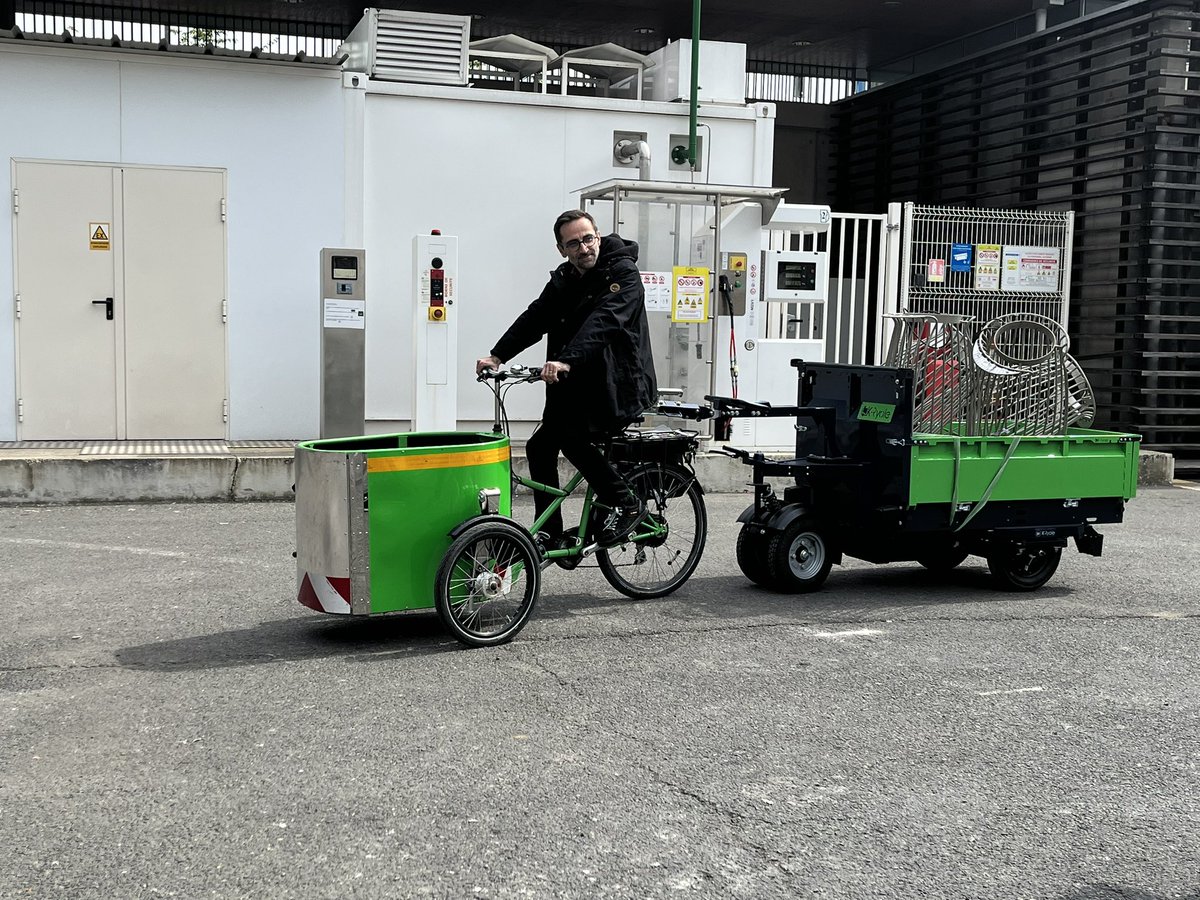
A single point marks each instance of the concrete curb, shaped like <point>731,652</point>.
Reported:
<point>1155,468</point>
<point>261,477</point>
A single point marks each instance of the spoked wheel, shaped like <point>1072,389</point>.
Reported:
<point>752,555</point>
<point>798,558</point>
<point>1024,567</point>
<point>657,564</point>
<point>942,556</point>
<point>488,583</point>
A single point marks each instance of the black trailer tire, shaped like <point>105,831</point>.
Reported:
<point>487,584</point>
<point>1024,567</point>
<point>798,558</point>
<point>752,544</point>
<point>943,556</point>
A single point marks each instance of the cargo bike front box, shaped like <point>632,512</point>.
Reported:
<point>374,514</point>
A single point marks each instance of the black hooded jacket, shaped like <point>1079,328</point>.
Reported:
<point>596,323</point>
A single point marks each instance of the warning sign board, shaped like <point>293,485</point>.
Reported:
<point>98,236</point>
<point>689,294</point>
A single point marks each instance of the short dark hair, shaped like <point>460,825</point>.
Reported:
<point>570,216</point>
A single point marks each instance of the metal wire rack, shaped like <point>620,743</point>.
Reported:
<point>937,347</point>
<point>1021,376</point>
<point>1014,377</point>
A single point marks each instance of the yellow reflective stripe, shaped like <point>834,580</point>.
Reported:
<point>418,461</point>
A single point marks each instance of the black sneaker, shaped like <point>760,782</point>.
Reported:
<point>620,523</point>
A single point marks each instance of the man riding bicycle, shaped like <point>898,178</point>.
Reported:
<point>593,314</point>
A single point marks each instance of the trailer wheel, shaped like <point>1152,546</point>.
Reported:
<point>752,555</point>
<point>943,556</point>
<point>488,584</point>
<point>798,559</point>
<point>1024,567</point>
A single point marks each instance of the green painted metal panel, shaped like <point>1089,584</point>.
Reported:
<point>420,486</point>
<point>1082,463</point>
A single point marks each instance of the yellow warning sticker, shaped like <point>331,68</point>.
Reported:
<point>98,233</point>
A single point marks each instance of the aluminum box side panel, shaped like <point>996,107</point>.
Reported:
<point>325,539</point>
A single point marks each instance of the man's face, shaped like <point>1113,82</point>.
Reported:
<point>573,244</point>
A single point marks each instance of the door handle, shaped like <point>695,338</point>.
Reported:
<point>108,307</point>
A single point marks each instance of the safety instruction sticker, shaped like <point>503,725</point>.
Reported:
<point>1032,269</point>
<point>689,294</point>
<point>658,291</point>
<point>341,313</point>
<point>99,236</point>
<point>987,267</point>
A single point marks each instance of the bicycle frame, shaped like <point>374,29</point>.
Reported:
<point>648,530</point>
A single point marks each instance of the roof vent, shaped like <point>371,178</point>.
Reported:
<point>394,45</point>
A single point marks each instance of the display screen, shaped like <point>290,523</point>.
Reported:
<point>345,268</point>
<point>796,276</point>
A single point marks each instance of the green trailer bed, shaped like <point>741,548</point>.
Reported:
<point>1083,463</point>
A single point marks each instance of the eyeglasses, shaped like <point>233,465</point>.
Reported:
<point>586,241</point>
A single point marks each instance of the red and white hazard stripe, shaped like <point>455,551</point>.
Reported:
<point>331,595</point>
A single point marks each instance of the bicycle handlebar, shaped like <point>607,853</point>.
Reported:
<point>518,373</point>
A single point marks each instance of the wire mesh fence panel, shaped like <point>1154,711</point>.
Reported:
<point>986,262</point>
<point>984,298</point>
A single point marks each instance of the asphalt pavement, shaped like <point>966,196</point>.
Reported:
<point>174,724</point>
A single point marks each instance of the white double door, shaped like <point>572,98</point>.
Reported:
<point>120,280</point>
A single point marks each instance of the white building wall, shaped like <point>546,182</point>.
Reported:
<point>315,160</point>
<point>279,132</point>
<point>494,169</point>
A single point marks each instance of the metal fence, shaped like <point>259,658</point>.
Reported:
<point>174,27</point>
<point>857,289</point>
<point>986,263</point>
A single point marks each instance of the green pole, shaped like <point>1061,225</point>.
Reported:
<point>695,81</point>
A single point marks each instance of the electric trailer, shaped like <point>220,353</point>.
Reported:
<point>865,485</point>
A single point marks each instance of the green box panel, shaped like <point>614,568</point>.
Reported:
<point>420,486</point>
<point>1082,463</point>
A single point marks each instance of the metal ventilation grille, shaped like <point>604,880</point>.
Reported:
<point>430,49</point>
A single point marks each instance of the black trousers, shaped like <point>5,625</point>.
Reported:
<point>568,432</point>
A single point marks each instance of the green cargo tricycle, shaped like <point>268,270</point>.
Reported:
<point>414,521</point>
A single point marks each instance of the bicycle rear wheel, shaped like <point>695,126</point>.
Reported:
<point>654,565</point>
<point>488,583</point>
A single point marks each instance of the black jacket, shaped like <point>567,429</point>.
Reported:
<point>596,323</point>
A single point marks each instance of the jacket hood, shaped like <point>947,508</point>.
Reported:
<point>614,247</point>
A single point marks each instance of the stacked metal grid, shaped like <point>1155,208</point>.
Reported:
<point>1020,383</point>
<point>1014,379</point>
<point>1099,117</point>
<point>937,347</point>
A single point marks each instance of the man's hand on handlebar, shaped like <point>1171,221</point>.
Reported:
<point>487,362</point>
<point>553,372</point>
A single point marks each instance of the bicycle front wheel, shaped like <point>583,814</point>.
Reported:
<point>488,583</point>
<point>666,548</point>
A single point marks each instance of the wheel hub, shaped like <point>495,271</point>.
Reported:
<point>488,585</point>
